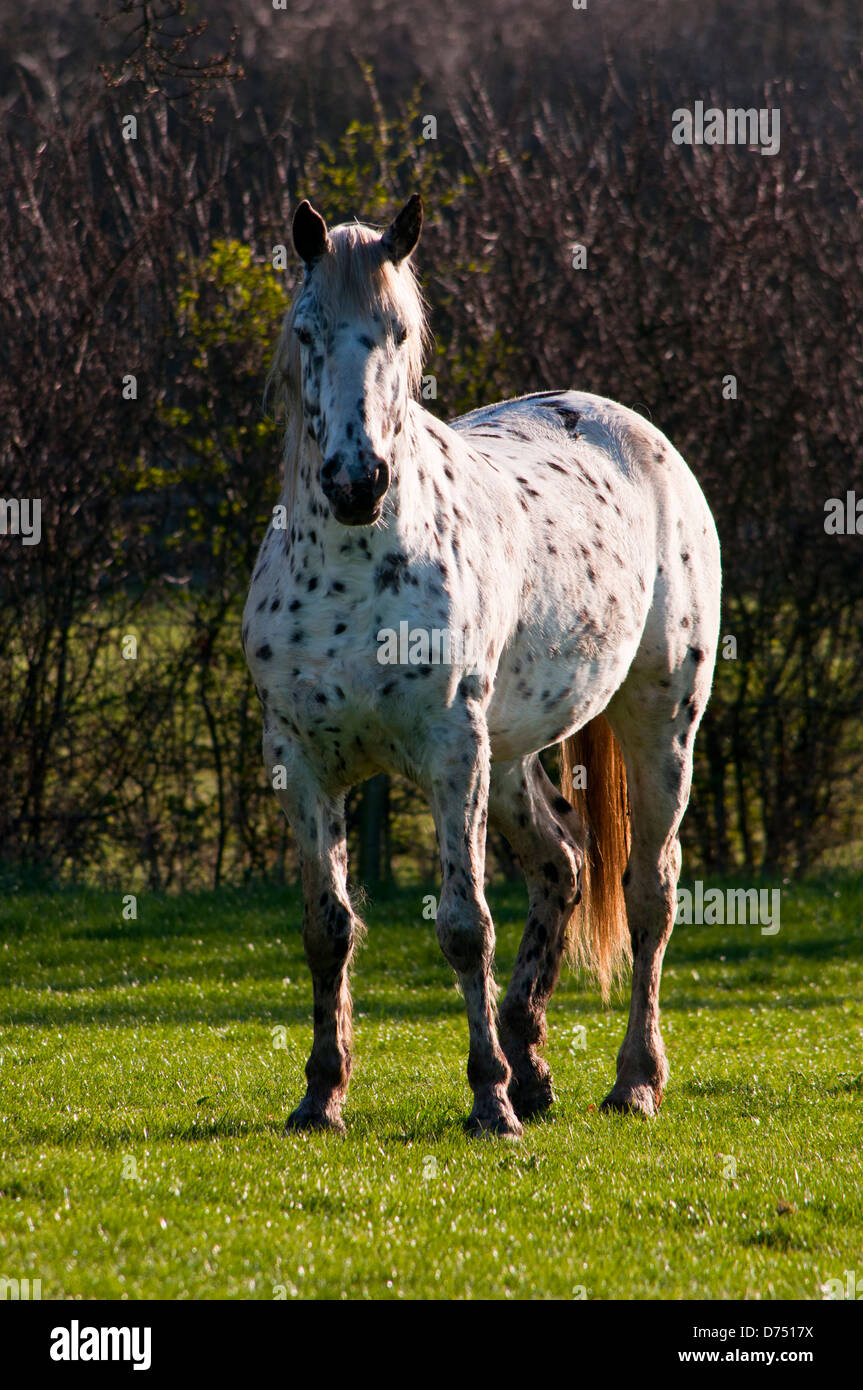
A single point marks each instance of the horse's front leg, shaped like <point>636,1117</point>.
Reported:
<point>317,820</point>
<point>459,800</point>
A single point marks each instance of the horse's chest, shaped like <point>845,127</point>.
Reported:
<point>326,653</point>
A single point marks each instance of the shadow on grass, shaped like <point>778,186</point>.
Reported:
<point>373,1124</point>
<point>416,1008</point>
<point>848,1085</point>
<point>730,999</point>
<point>120,1015</point>
<point>416,978</point>
<point>769,949</point>
<point>194,1132</point>
<point>778,1238</point>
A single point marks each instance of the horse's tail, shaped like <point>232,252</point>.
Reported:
<point>597,932</point>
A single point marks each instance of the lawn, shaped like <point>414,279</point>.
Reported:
<point>146,1068</point>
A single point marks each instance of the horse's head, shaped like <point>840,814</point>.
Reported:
<point>354,337</point>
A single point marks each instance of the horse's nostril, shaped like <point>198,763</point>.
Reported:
<point>380,480</point>
<point>335,468</point>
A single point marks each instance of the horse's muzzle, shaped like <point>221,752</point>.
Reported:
<point>357,501</point>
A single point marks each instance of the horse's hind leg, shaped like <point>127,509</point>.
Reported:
<point>546,834</point>
<point>329,932</point>
<point>655,726</point>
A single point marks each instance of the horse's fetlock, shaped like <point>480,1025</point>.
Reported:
<point>329,1069</point>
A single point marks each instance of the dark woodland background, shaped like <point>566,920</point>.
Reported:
<point>153,257</point>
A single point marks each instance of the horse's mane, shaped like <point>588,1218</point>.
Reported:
<point>353,275</point>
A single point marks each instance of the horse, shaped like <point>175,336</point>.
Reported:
<point>564,541</point>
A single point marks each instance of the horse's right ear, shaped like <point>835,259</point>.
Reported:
<point>309,231</point>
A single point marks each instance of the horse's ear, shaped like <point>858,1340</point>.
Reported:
<point>309,231</point>
<point>403,233</point>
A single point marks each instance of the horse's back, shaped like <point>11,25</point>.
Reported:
<point>639,450</point>
<point>614,465</point>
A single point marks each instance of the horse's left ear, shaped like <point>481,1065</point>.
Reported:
<point>403,233</point>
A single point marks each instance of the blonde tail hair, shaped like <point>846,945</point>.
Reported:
<point>597,933</point>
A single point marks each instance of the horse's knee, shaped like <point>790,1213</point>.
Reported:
<point>655,861</point>
<point>465,933</point>
<point>329,930</point>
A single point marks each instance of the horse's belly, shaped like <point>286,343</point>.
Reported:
<point>532,709</point>
<point>563,665</point>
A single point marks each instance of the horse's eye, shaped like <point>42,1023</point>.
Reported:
<point>303,335</point>
<point>400,333</point>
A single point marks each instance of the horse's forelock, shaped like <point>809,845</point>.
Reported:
<point>357,276</point>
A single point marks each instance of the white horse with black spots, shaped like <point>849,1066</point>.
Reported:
<point>566,545</point>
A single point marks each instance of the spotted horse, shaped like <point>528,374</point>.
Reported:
<point>564,540</point>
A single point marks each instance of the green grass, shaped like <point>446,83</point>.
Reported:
<point>149,1046</point>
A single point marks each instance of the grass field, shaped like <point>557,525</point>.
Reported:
<point>146,1069</point>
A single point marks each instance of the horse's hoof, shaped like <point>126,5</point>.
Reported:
<point>632,1100</point>
<point>307,1118</point>
<point>498,1124</point>
<point>531,1101</point>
